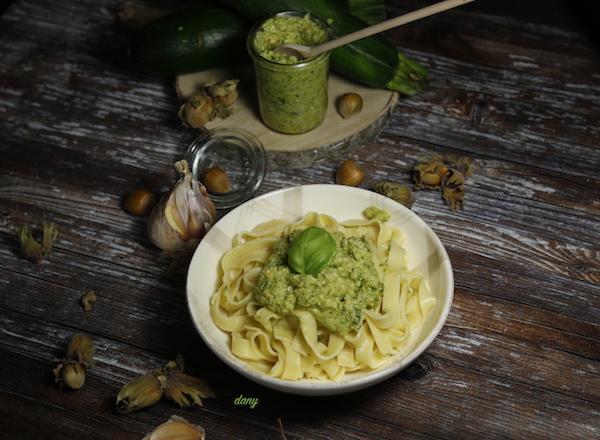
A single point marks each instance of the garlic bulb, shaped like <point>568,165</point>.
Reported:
<point>183,215</point>
<point>176,428</point>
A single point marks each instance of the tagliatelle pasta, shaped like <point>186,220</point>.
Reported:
<point>295,346</point>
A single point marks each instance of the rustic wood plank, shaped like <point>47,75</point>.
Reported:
<point>514,115</point>
<point>522,324</point>
<point>473,138</point>
<point>516,253</point>
<point>516,408</point>
<point>467,34</point>
<point>487,131</point>
<point>483,222</point>
<point>90,411</point>
<point>556,189</point>
<point>157,308</point>
<point>21,414</point>
<point>493,179</point>
<point>505,84</point>
<point>117,363</point>
<point>520,353</point>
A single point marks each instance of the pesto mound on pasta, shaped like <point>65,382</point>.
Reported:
<point>318,298</point>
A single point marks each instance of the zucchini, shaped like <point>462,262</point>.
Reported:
<point>372,61</point>
<point>192,40</point>
<point>369,11</point>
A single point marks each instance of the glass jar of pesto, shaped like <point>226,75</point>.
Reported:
<point>292,93</point>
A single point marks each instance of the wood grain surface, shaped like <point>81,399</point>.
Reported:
<point>520,354</point>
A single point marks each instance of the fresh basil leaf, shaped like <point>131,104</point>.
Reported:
<point>311,251</point>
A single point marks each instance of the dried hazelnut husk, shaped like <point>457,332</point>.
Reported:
<point>169,381</point>
<point>183,389</point>
<point>464,165</point>
<point>216,180</point>
<point>197,111</point>
<point>71,370</point>
<point>349,104</point>
<point>224,93</point>
<point>139,202</point>
<point>81,349</point>
<point>87,299</point>
<point>140,393</point>
<point>429,175</point>
<point>33,249</point>
<point>453,189</point>
<point>395,191</point>
<point>349,173</point>
<point>176,428</point>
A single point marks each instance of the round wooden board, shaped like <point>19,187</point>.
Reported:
<point>335,137</point>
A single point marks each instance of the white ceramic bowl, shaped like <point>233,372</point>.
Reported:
<point>424,250</point>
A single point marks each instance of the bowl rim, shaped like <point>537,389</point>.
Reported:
<point>316,387</point>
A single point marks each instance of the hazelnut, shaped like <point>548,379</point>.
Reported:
<point>216,181</point>
<point>197,111</point>
<point>349,173</point>
<point>349,104</point>
<point>139,202</point>
<point>73,375</point>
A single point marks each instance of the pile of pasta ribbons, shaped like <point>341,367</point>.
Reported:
<point>295,346</point>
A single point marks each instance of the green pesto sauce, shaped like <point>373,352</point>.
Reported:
<point>375,213</point>
<point>292,96</point>
<point>278,31</point>
<point>337,296</point>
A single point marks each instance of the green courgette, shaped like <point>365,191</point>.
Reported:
<point>369,11</point>
<point>373,61</point>
<point>193,40</point>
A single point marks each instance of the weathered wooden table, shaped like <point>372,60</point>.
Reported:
<point>519,356</point>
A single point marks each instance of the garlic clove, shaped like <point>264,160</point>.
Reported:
<point>174,212</point>
<point>177,428</point>
<point>161,232</point>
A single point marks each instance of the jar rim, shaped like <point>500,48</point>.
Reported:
<point>253,160</point>
<point>257,57</point>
